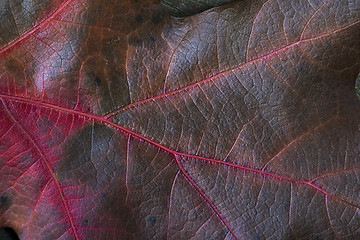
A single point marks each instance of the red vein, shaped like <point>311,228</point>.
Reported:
<point>204,196</point>
<point>166,149</point>
<point>311,18</point>
<point>335,172</point>
<point>225,72</point>
<point>220,74</point>
<point>308,183</point>
<point>297,139</point>
<point>37,203</point>
<point>48,166</point>
<point>35,28</point>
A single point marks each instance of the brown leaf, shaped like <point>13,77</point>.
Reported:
<point>118,121</point>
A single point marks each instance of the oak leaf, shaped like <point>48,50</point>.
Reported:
<point>118,121</point>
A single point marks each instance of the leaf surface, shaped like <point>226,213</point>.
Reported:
<point>118,121</point>
<point>184,8</point>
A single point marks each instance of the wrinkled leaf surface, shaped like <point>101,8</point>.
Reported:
<point>118,121</point>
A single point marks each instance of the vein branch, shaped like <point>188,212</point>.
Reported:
<point>231,70</point>
<point>48,167</point>
<point>212,206</point>
<point>175,153</point>
<point>35,28</point>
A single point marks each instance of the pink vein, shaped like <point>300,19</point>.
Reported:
<point>203,196</point>
<point>297,139</point>
<point>37,203</point>
<point>35,28</point>
<point>225,72</point>
<point>48,166</point>
<point>312,17</point>
<point>166,149</point>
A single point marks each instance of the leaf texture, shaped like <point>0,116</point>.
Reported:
<point>118,121</point>
<point>184,8</point>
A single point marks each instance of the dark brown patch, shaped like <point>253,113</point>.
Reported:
<point>96,79</point>
<point>152,219</point>
<point>134,41</point>
<point>152,39</point>
<point>139,18</point>
<point>157,18</point>
<point>15,67</point>
<point>5,202</point>
<point>89,157</point>
<point>96,157</point>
